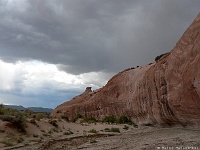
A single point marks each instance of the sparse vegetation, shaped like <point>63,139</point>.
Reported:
<point>90,119</point>
<point>16,118</point>
<point>34,122</point>
<point>7,143</point>
<point>35,135</point>
<point>112,130</point>
<point>69,132</point>
<point>20,140</point>
<point>39,116</point>
<point>160,56</point>
<point>109,119</point>
<point>53,122</point>
<point>52,130</point>
<point>76,118</point>
<point>126,127</point>
<point>46,134</point>
<point>65,118</point>
<point>115,130</point>
<point>92,131</point>
<point>124,119</point>
<point>107,130</point>
<point>93,141</point>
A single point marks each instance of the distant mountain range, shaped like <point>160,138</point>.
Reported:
<point>34,109</point>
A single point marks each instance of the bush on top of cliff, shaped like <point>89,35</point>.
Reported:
<point>160,56</point>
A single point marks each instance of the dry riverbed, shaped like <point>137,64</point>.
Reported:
<point>74,136</point>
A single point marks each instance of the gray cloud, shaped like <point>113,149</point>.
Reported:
<point>89,36</point>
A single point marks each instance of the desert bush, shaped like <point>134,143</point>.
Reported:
<point>93,141</point>
<point>55,130</point>
<point>90,119</point>
<point>115,130</point>
<point>20,140</point>
<point>45,134</point>
<point>109,119</point>
<point>76,118</point>
<point>35,135</point>
<point>112,130</point>
<point>79,116</point>
<point>39,116</point>
<point>18,121</point>
<point>53,122</point>
<point>125,127</point>
<point>32,121</point>
<point>7,143</point>
<point>68,132</point>
<point>92,131</point>
<point>123,120</point>
<point>107,130</point>
<point>65,118</point>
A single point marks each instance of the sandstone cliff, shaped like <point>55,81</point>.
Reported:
<point>165,92</point>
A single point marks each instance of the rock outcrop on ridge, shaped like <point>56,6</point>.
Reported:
<point>165,92</point>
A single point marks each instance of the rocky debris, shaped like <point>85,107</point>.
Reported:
<point>164,92</point>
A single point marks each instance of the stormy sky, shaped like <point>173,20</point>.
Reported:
<point>50,50</point>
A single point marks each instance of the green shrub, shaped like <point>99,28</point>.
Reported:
<point>109,119</point>
<point>76,118</point>
<point>18,121</point>
<point>112,130</point>
<point>39,116</point>
<point>90,119</point>
<point>92,131</point>
<point>68,132</point>
<point>115,130</point>
<point>20,140</point>
<point>126,127</point>
<point>79,116</point>
<point>46,134</point>
<point>7,143</point>
<point>107,130</point>
<point>65,118</point>
<point>53,130</point>
<point>53,122</point>
<point>93,141</point>
<point>124,119</point>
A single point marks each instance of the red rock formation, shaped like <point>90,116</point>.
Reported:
<point>165,92</point>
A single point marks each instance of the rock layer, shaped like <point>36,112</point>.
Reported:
<point>165,92</point>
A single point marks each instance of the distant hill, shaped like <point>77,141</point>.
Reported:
<point>34,109</point>
<point>40,109</point>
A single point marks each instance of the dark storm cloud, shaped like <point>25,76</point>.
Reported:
<point>85,36</point>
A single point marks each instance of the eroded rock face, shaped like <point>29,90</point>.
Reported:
<point>165,92</point>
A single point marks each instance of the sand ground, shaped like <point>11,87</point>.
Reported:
<point>145,137</point>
